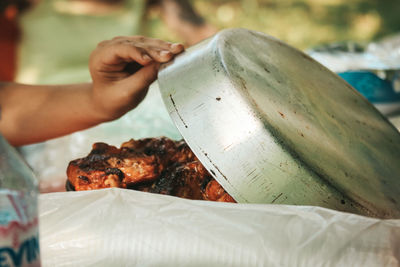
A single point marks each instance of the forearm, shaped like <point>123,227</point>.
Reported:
<point>31,114</point>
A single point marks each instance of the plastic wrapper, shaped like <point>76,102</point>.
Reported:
<point>372,69</point>
<point>340,57</point>
<point>117,227</point>
<point>50,159</point>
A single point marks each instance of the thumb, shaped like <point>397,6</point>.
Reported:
<point>139,82</point>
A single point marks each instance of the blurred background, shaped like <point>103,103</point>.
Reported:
<point>301,23</point>
<point>72,28</point>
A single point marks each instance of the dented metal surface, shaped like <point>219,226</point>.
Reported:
<point>274,126</point>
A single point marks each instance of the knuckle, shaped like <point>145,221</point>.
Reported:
<point>141,39</point>
<point>116,38</point>
<point>138,50</point>
<point>103,43</point>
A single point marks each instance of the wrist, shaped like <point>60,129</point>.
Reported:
<point>102,105</point>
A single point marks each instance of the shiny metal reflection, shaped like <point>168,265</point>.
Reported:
<point>274,126</point>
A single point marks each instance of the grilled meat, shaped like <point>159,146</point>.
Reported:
<point>156,165</point>
<point>108,166</point>
<point>187,180</point>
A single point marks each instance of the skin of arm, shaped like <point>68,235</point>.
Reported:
<point>34,113</point>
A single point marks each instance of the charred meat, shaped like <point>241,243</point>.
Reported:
<point>156,165</point>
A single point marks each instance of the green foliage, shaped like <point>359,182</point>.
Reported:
<point>303,23</point>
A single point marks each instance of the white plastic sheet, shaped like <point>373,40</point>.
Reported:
<point>117,227</point>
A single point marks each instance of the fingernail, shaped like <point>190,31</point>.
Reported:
<point>165,53</point>
<point>176,46</point>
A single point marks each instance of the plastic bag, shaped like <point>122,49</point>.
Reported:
<point>117,227</point>
<point>345,56</point>
<point>372,69</point>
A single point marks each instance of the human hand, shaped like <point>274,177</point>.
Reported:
<point>122,70</point>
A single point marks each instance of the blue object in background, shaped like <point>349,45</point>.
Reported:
<point>375,89</point>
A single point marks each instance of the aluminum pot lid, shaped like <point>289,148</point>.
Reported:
<point>274,126</point>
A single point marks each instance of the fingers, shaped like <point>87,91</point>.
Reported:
<point>145,76</point>
<point>138,48</point>
<point>118,89</point>
<point>139,83</point>
<point>158,50</point>
<point>157,44</point>
<point>176,48</point>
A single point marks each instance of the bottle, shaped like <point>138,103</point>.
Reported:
<point>19,232</point>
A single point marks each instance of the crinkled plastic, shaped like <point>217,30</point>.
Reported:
<point>340,57</point>
<point>373,69</point>
<point>117,227</point>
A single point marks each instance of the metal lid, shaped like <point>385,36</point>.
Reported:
<point>274,126</point>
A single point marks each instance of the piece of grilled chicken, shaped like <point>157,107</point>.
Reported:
<point>156,165</point>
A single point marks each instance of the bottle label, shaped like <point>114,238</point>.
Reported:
<point>19,236</point>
